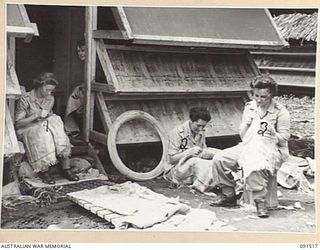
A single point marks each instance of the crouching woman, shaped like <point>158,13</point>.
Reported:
<point>189,159</point>
<point>41,131</point>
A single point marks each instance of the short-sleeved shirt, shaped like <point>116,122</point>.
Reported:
<point>29,104</point>
<point>277,116</point>
<point>181,139</point>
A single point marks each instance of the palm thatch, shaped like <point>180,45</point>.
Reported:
<point>298,26</point>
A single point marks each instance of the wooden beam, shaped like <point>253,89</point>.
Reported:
<point>90,62</point>
<point>205,42</point>
<point>284,42</point>
<point>125,22</point>
<point>14,89</point>
<point>206,91</point>
<point>11,50</point>
<point>12,108</point>
<point>269,53</point>
<point>35,33</point>
<point>175,96</point>
<point>24,14</point>
<point>91,120</point>
<point>296,85</point>
<point>102,87</point>
<point>14,78</point>
<point>307,70</point>
<point>27,23</point>
<point>106,64</point>
<point>109,34</point>
<point>92,152</point>
<point>93,61</point>
<point>10,139</point>
<point>98,137</point>
<point>104,112</point>
<point>18,31</point>
<point>118,20</point>
<point>253,64</point>
<point>150,48</point>
<point>35,29</point>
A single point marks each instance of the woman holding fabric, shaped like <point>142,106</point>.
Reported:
<point>42,132</point>
<point>264,131</point>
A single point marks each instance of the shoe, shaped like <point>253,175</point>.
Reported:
<point>46,178</point>
<point>70,175</point>
<point>225,201</point>
<point>262,211</point>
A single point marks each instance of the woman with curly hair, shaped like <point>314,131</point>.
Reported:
<point>264,130</point>
<point>42,131</point>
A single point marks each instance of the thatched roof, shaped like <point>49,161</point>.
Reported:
<point>298,26</point>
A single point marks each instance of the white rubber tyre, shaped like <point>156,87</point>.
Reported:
<point>112,147</point>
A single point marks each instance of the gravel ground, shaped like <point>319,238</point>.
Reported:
<point>302,112</point>
<point>68,215</point>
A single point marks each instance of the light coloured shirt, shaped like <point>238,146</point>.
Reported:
<point>181,139</point>
<point>29,104</point>
<point>277,116</point>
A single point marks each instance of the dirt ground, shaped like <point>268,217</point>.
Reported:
<point>68,215</point>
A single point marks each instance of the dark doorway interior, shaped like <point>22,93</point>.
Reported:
<point>55,49</point>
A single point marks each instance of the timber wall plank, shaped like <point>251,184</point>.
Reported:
<point>226,117</point>
<point>146,71</point>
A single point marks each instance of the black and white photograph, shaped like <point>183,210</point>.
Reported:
<point>159,118</point>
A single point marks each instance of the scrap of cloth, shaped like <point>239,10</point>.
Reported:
<point>197,219</point>
<point>74,104</point>
<point>138,207</point>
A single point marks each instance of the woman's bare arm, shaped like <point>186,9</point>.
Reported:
<point>23,122</point>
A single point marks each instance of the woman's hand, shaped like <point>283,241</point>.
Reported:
<point>271,130</point>
<point>248,120</point>
<point>36,115</point>
<point>44,113</point>
<point>41,114</point>
<point>194,151</point>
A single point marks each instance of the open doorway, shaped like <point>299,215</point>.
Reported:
<point>54,50</point>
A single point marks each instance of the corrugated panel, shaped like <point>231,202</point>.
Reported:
<point>226,116</point>
<point>154,71</point>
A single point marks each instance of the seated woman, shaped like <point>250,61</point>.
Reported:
<point>264,130</point>
<point>42,131</point>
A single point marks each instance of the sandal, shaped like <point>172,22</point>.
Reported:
<point>70,175</point>
<point>46,178</point>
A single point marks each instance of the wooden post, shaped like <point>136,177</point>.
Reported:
<point>11,50</point>
<point>104,112</point>
<point>90,65</point>
<point>107,64</point>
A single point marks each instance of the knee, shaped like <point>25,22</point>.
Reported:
<point>254,182</point>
